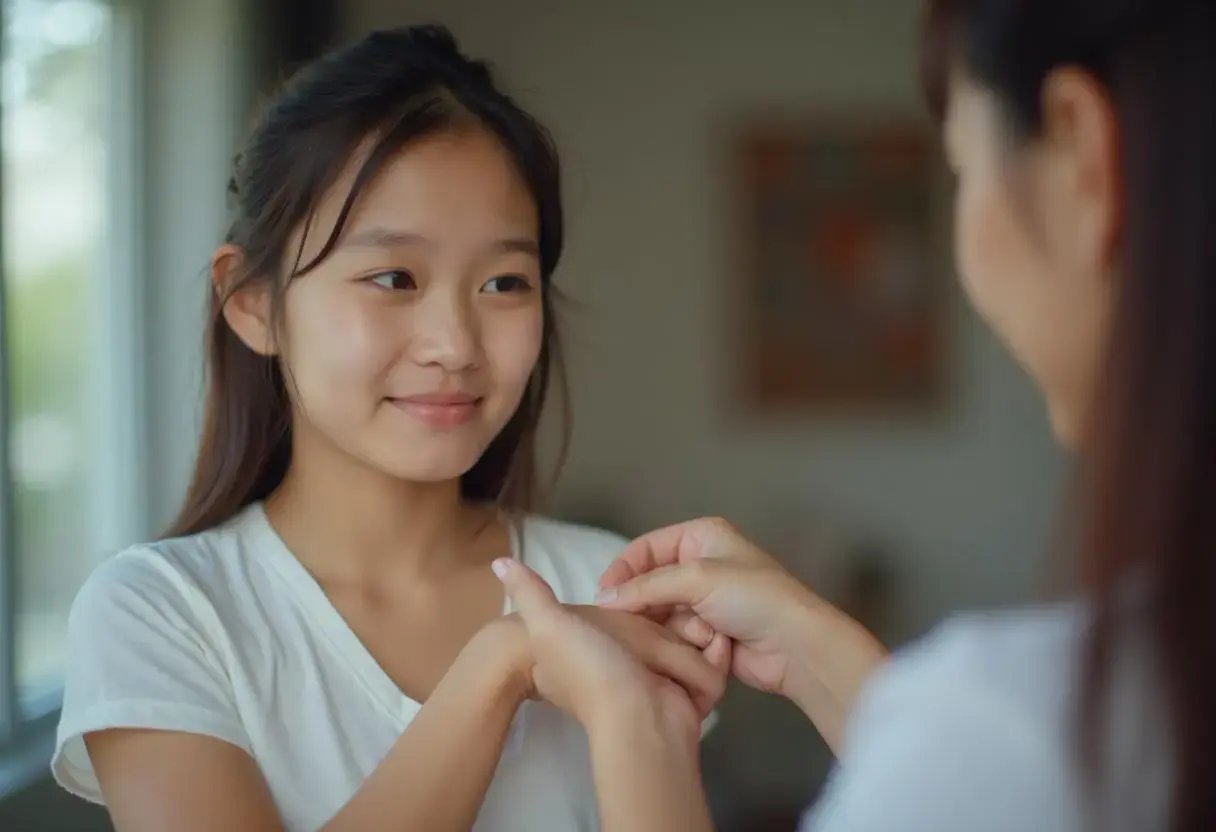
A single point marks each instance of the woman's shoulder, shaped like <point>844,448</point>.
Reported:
<point>999,648</point>
<point>570,556</point>
<point>1021,664</point>
<point>968,728</point>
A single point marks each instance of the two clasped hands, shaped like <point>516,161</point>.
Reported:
<point>745,614</point>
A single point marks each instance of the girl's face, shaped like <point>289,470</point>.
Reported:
<point>1036,223</point>
<point>411,345</point>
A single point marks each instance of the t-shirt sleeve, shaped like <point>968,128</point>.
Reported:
<point>934,747</point>
<point>140,654</point>
<point>570,558</point>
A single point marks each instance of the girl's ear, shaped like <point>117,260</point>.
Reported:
<point>247,308</point>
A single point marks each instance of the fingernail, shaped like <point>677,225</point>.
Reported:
<point>501,567</point>
<point>606,596</point>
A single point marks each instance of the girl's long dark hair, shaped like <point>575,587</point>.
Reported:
<point>391,88</point>
<point>1147,484</point>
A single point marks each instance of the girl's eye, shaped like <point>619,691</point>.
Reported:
<point>395,280</point>
<point>507,283</point>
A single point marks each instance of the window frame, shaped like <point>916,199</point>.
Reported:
<point>26,733</point>
<point>8,613</point>
<point>171,211</point>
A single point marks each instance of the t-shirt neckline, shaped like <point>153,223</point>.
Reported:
<point>321,612</point>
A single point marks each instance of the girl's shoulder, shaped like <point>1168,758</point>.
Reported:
<point>570,556</point>
<point>547,531</point>
<point>184,572</point>
<point>149,646</point>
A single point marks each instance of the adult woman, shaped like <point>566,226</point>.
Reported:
<point>1082,134</point>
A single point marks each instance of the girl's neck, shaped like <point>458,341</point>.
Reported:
<point>349,522</point>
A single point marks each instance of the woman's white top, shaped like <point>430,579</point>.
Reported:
<point>226,634</point>
<point>975,729</point>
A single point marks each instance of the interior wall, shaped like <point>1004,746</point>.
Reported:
<point>641,97</point>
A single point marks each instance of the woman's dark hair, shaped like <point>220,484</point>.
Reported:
<point>1147,484</point>
<point>389,89</point>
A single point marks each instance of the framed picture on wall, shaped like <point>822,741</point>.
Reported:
<point>840,301</point>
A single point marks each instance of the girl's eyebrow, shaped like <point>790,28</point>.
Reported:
<point>387,238</point>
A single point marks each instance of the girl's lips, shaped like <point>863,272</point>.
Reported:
<point>439,410</point>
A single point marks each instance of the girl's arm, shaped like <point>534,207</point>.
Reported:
<point>642,728</point>
<point>434,778</point>
<point>647,768</point>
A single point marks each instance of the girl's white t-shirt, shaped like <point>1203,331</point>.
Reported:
<point>225,634</point>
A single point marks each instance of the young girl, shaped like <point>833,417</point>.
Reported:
<point>321,643</point>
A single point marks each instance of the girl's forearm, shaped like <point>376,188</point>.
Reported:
<point>647,772</point>
<point>437,774</point>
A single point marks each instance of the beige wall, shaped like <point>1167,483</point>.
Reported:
<point>637,94</point>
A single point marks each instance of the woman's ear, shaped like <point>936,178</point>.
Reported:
<point>1081,129</point>
<point>247,309</point>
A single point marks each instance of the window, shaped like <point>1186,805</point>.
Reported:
<point>69,314</point>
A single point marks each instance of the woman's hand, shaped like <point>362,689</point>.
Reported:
<point>787,640</point>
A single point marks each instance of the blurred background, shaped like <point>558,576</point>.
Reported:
<point>764,322</point>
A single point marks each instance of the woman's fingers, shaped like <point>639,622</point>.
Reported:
<point>650,551</point>
<point>719,653</point>
<point>687,667</point>
<point>665,651</point>
<point>716,649</point>
<point>690,627</point>
<point>681,585</point>
<point>708,537</point>
<point>681,543</point>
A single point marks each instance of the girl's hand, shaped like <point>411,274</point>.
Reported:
<point>597,664</point>
<point>683,648</point>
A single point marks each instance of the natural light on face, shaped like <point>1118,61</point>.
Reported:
<point>411,345</point>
